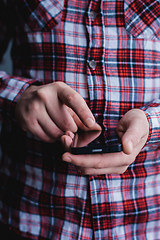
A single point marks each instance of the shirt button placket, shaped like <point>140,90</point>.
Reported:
<point>92,63</point>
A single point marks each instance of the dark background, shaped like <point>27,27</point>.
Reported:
<point>6,64</point>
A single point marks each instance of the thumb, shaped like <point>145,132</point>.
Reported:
<point>130,139</point>
<point>133,129</point>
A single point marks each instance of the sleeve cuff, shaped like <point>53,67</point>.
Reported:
<point>13,87</point>
<point>152,112</point>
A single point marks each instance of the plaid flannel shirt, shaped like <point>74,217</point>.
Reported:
<point>108,51</point>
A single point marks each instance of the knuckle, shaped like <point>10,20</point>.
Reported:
<point>35,107</point>
<point>41,94</point>
<point>73,96</point>
<point>100,163</point>
<point>125,161</point>
<point>88,171</point>
<point>58,84</point>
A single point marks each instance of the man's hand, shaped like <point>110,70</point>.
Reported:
<point>133,129</point>
<point>48,111</point>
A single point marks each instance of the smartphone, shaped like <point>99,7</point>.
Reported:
<point>91,142</point>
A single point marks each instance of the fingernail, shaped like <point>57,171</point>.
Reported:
<point>90,122</point>
<point>67,159</point>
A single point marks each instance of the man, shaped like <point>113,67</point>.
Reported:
<point>74,62</point>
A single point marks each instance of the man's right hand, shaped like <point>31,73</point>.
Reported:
<point>48,111</point>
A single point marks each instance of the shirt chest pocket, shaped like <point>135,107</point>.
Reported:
<point>142,18</point>
<point>41,15</point>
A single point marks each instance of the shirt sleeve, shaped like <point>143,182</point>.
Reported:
<point>11,87</point>
<point>152,111</point>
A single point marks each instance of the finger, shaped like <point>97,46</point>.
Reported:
<point>38,131</point>
<point>49,127</point>
<point>133,138</point>
<point>70,134</point>
<point>94,171</point>
<point>61,116</point>
<point>55,108</point>
<point>79,123</point>
<point>130,140</point>
<point>98,161</point>
<point>67,142</point>
<point>128,134</point>
<point>74,100</point>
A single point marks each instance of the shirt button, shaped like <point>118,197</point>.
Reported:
<point>93,15</point>
<point>92,64</point>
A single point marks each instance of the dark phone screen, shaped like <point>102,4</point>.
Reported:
<point>90,142</point>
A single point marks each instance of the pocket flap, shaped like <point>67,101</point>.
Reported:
<point>142,18</point>
<point>42,14</point>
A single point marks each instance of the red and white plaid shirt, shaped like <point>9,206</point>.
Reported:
<point>108,51</point>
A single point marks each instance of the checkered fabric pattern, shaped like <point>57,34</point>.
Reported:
<point>108,51</point>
